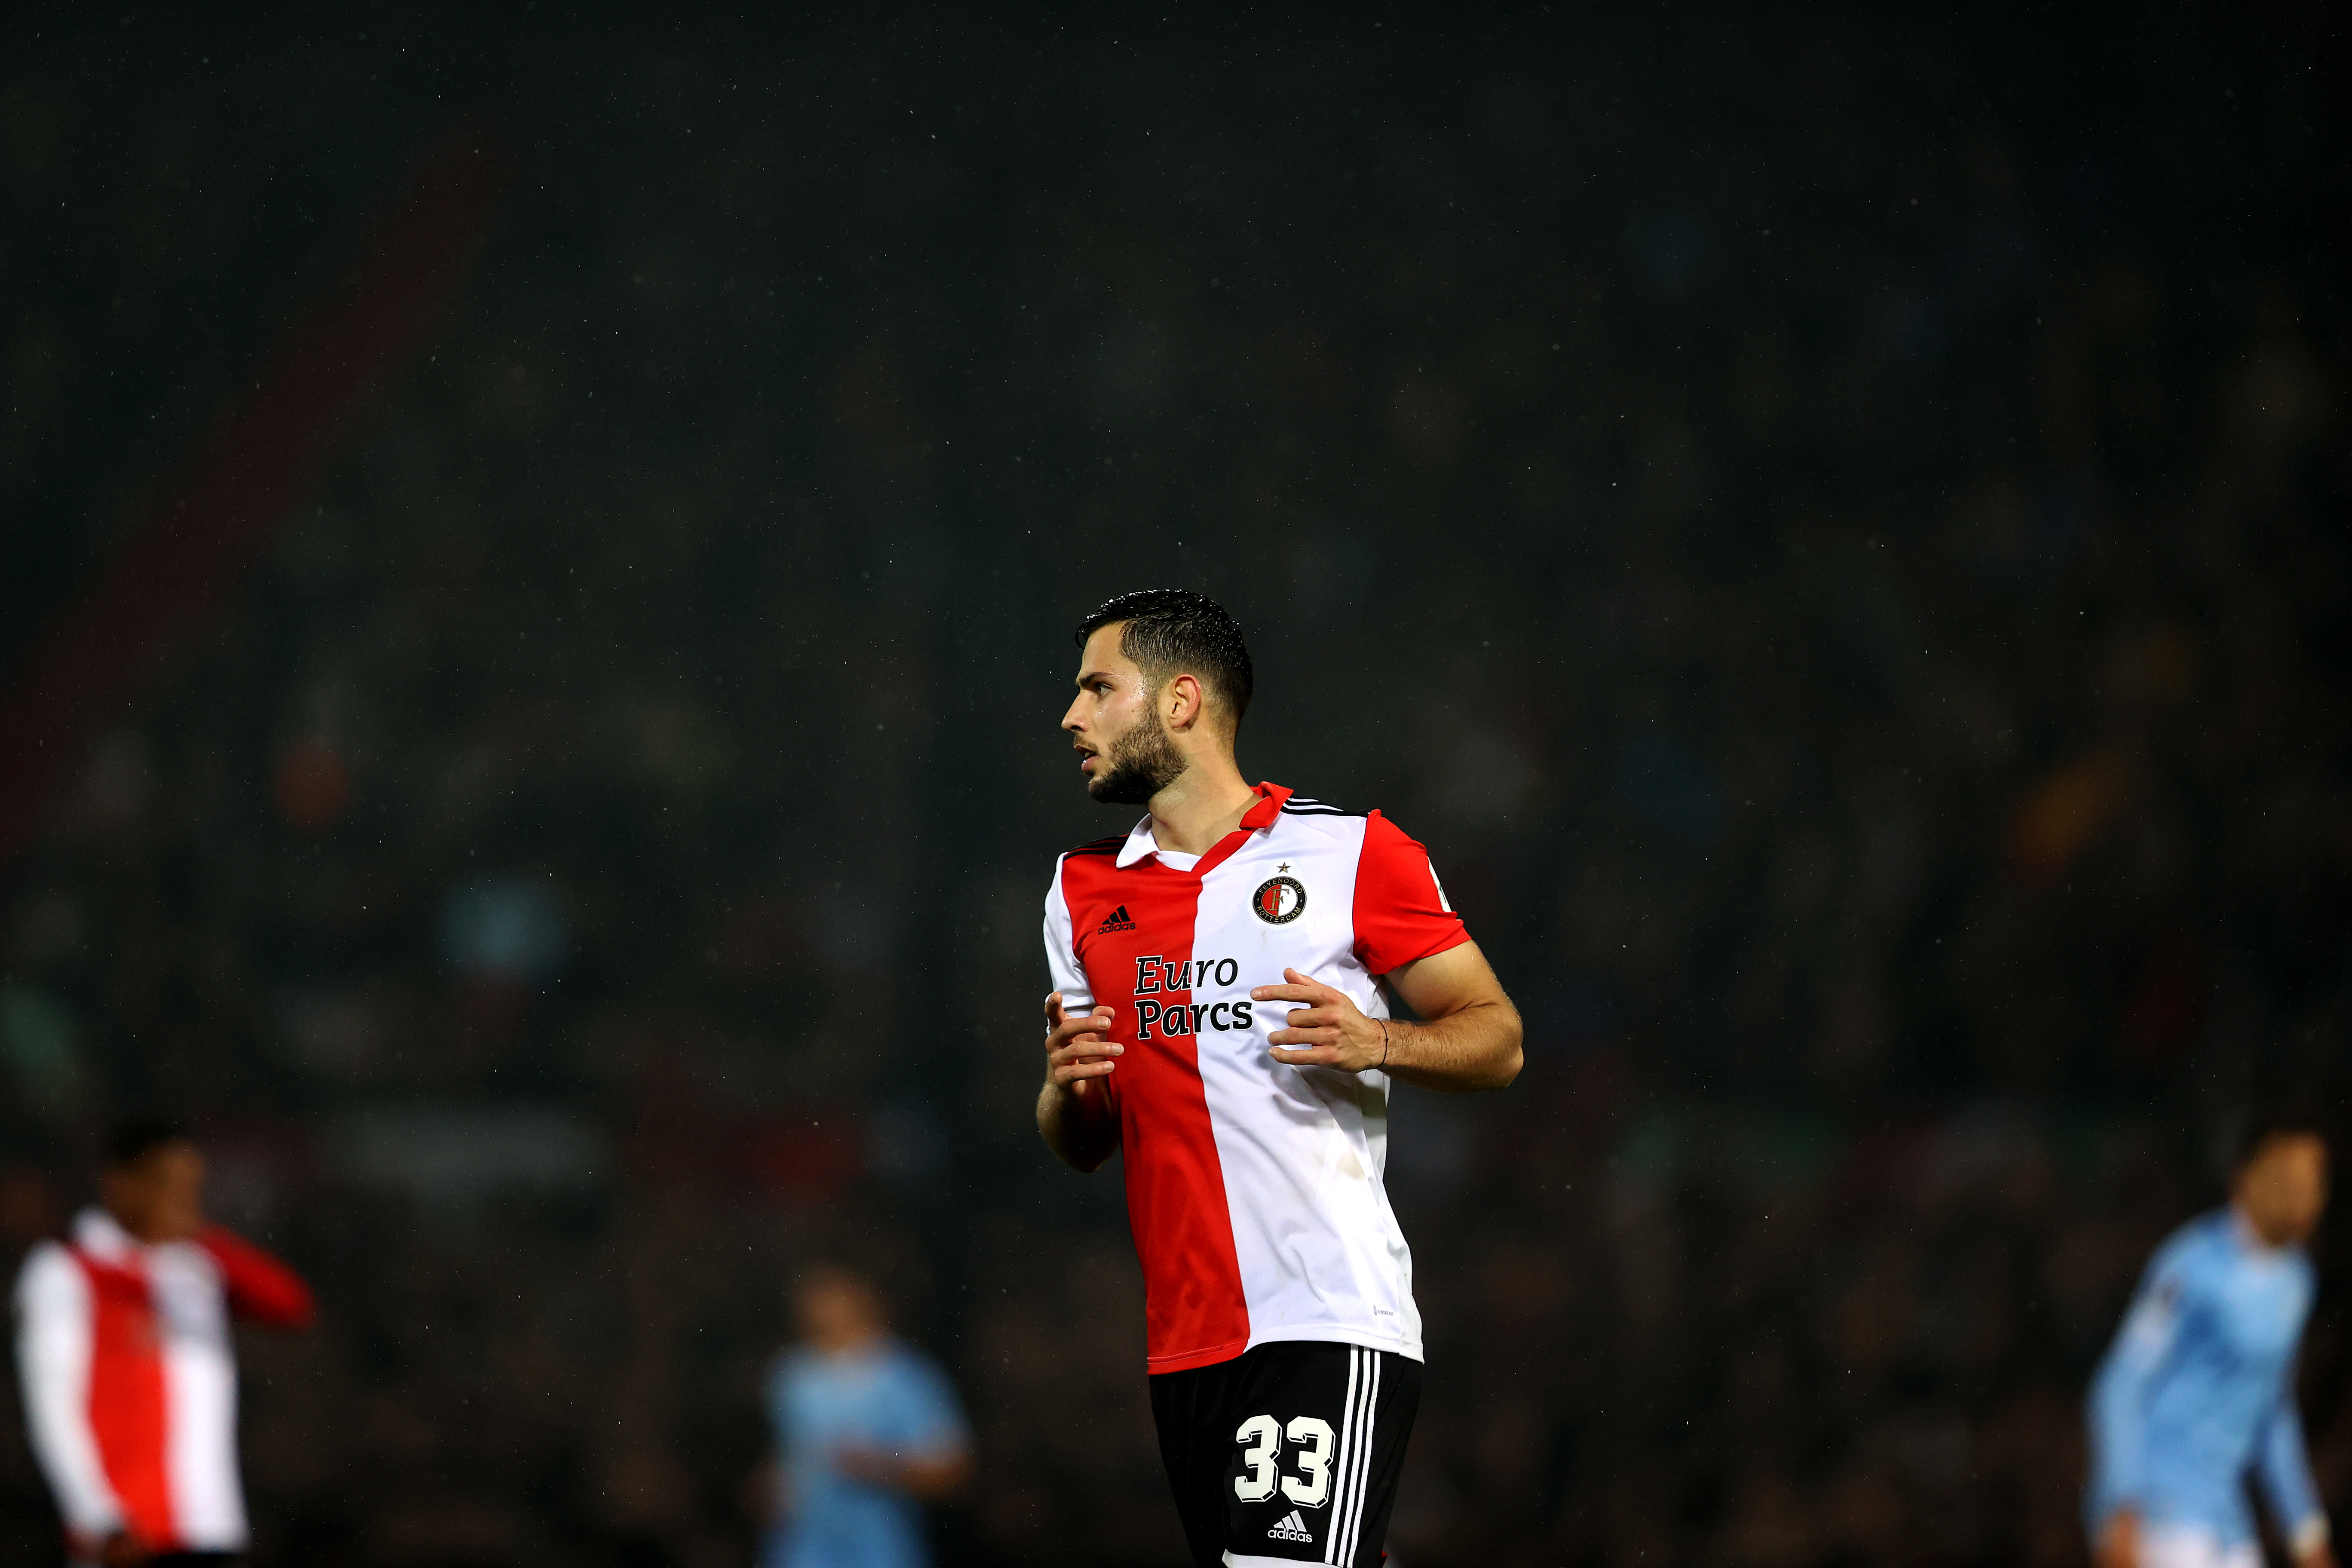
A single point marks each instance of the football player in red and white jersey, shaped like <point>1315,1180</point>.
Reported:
<point>1220,1017</point>
<point>128,1371</point>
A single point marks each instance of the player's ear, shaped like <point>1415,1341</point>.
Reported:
<point>1183,702</point>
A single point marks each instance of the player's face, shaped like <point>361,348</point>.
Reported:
<point>2282,1190</point>
<point>1123,745</point>
<point>837,1311</point>
<point>162,1197</point>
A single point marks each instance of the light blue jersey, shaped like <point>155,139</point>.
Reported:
<point>2198,1388</point>
<point>890,1398</point>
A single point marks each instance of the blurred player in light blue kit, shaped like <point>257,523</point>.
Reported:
<point>867,1431</point>
<point>2197,1390</point>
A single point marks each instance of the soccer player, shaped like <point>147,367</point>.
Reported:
<point>1220,1017</point>
<point>868,1430</point>
<point>126,1363</point>
<point>2198,1387</point>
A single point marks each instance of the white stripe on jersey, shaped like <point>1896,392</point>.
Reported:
<point>1297,1143</point>
<point>200,1380</point>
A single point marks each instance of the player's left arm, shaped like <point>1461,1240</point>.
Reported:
<point>259,1287</point>
<point>2285,1468</point>
<point>1468,1038</point>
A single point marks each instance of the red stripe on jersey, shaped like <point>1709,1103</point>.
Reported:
<point>128,1407</point>
<point>1400,913</point>
<point>1194,1310</point>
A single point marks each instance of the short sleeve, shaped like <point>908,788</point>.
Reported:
<point>1400,911</point>
<point>2153,1321</point>
<point>1069,975</point>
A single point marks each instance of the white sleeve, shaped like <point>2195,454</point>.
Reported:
<point>1062,949</point>
<point>53,1314</point>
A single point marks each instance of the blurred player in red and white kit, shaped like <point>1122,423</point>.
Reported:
<point>128,1370</point>
<point>1222,973</point>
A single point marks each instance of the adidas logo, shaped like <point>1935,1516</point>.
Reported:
<point>1291,1529</point>
<point>1116,921</point>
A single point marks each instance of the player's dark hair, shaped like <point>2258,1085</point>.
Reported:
<point>136,1137</point>
<point>1174,631</point>
<point>2257,1130</point>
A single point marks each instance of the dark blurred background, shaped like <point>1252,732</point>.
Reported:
<point>536,570</point>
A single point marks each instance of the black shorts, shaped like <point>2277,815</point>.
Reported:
<point>1287,1454</point>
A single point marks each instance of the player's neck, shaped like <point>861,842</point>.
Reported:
<point>859,1341</point>
<point>1206,802</point>
<point>2254,1233</point>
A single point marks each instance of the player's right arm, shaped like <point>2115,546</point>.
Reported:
<point>1077,1114</point>
<point>53,1353</point>
<point>1074,1114</point>
<point>2118,1406</point>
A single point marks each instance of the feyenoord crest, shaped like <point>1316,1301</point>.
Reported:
<point>1279,899</point>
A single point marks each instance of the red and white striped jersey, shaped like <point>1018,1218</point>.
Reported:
<point>130,1378</point>
<point>1253,1188</point>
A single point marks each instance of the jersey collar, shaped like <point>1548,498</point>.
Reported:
<point>2250,1241</point>
<point>1260,817</point>
<point>100,1235</point>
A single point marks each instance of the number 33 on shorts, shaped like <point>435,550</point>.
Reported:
<point>1315,1484</point>
<point>1261,1437</point>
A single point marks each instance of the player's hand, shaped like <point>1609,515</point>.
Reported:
<point>2118,1546</point>
<point>874,1466</point>
<point>767,1493</point>
<point>2320,1556</point>
<point>928,1477</point>
<point>121,1551</point>
<point>1329,1031</point>
<point>1077,1047</point>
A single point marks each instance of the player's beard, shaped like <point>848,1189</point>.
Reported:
<point>1138,765</point>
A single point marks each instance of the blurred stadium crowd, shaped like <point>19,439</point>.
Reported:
<point>1830,531</point>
